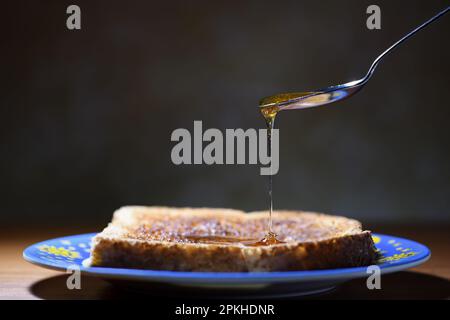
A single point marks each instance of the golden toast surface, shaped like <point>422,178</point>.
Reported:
<point>207,239</point>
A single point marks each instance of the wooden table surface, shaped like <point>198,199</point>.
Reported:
<point>22,280</point>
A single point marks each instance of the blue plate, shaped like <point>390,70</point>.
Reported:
<point>69,252</point>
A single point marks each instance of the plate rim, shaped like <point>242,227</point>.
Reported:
<point>192,277</point>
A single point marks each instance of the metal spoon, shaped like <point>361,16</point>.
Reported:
<point>302,100</point>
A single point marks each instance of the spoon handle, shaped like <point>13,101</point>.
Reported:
<point>407,36</point>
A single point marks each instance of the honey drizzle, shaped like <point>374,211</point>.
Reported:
<point>269,108</point>
<point>269,113</point>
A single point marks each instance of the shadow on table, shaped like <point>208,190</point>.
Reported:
<point>401,285</point>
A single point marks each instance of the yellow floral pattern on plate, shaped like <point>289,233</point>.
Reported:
<point>60,251</point>
<point>403,252</point>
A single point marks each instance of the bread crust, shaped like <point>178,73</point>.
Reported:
<point>115,247</point>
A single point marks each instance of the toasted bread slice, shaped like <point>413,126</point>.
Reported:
<point>204,239</point>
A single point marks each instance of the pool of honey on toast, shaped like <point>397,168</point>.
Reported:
<point>248,232</point>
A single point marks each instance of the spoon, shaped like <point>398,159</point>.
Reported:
<point>302,100</point>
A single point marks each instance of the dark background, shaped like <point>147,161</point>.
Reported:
<point>86,116</point>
